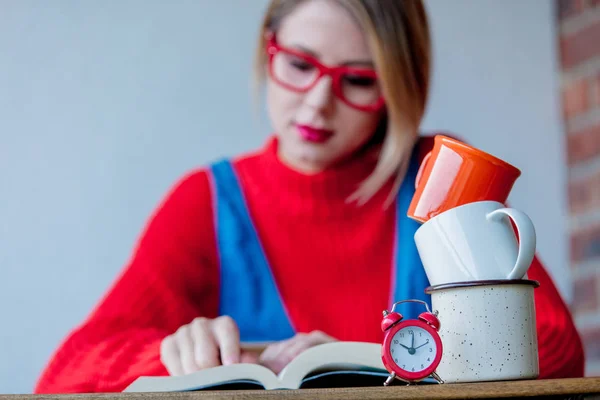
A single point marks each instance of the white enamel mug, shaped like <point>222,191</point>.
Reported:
<point>476,241</point>
<point>488,330</point>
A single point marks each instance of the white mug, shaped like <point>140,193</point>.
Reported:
<point>488,330</point>
<point>476,241</point>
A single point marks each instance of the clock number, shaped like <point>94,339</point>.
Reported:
<point>395,341</point>
<point>430,350</point>
<point>413,369</point>
<point>420,334</point>
<point>422,366</point>
<point>403,365</point>
<point>428,359</point>
<point>411,332</point>
<point>395,359</point>
<point>392,350</point>
<point>402,334</point>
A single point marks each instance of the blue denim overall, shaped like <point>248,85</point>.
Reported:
<point>248,292</point>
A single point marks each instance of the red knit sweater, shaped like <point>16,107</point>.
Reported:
<point>173,275</point>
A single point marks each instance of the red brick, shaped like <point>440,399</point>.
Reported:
<point>595,89</point>
<point>568,8</point>
<point>583,145</point>
<point>585,244</point>
<point>584,195</point>
<point>581,45</point>
<point>585,296</point>
<point>575,98</point>
<point>593,3</point>
<point>578,195</point>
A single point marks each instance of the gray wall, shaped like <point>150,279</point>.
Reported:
<point>496,83</point>
<point>104,104</point>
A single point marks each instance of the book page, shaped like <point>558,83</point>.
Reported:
<point>337,356</point>
<point>331,356</point>
<point>207,378</point>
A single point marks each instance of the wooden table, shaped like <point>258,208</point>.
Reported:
<point>575,388</point>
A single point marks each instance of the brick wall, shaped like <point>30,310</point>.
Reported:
<point>579,30</point>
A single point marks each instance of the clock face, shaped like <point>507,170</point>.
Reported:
<point>413,349</point>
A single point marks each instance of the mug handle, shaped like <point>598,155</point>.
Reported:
<point>527,238</point>
<point>421,168</point>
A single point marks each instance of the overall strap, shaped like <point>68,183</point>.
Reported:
<point>410,280</point>
<point>248,292</point>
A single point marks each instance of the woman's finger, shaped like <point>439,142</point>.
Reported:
<point>185,344</point>
<point>272,356</point>
<point>227,337</point>
<point>291,351</point>
<point>301,343</point>
<point>273,350</point>
<point>169,356</point>
<point>205,352</point>
<point>319,337</point>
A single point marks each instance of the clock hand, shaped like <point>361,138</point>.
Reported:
<point>412,343</point>
<point>407,348</point>
<point>427,342</point>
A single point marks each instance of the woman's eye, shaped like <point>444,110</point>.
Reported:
<point>357,80</point>
<point>301,65</point>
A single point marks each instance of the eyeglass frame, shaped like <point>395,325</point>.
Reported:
<point>335,72</point>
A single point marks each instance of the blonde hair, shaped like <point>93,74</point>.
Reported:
<point>398,35</point>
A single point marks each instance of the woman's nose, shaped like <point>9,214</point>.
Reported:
<point>321,95</point>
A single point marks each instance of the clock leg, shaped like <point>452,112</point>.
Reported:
<point>437,377</point>
<point>389,379</point>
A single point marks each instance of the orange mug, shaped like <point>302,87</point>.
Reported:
<point>453,174</point>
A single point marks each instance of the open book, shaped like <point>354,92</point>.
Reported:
<point>337,364</point>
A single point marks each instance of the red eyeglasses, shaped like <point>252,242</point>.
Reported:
<point>357,87</point>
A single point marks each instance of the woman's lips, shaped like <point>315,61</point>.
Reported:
<point>315,135</point>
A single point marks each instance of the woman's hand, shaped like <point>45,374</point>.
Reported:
<point>203,343</point>
<point>277,355</point>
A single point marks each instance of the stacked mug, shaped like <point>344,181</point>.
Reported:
<point>476,253</point>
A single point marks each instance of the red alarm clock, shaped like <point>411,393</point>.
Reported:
<point>412,349</point>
